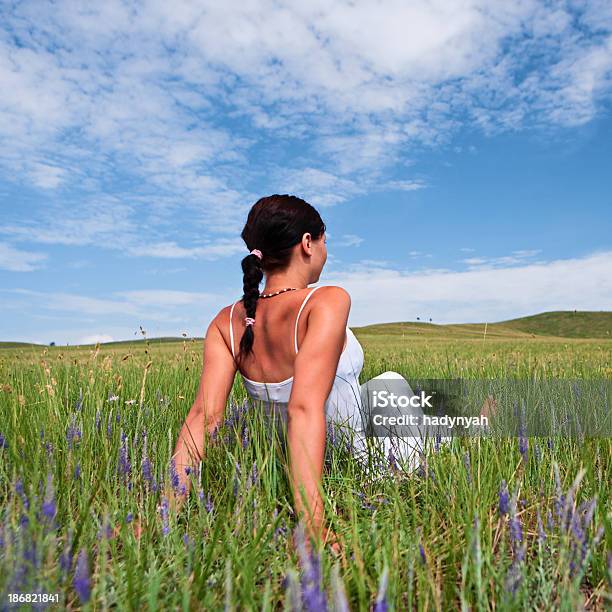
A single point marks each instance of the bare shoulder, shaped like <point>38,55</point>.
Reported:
<point>332,296</point>
<point>221,319</point>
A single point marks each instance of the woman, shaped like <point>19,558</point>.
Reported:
<point>291,345</point>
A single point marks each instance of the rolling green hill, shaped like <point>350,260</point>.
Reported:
<point>565,324</point>
<point>561,324</point>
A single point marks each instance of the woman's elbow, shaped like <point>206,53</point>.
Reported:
<point>305,409</point>
<point>200,412</point>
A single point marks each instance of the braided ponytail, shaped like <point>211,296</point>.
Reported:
<point>252,271</point>
<point>275,224</point>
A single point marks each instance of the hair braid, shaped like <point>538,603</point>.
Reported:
<point>252,274</point>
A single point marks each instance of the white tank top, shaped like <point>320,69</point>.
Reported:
<point>342,404</point>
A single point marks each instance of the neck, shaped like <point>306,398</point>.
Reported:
<point>285,278</point>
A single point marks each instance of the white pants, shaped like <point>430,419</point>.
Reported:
<point>404,452</point>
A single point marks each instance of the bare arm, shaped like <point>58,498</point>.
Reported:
<point>314,371</point>
<point>218,371</point>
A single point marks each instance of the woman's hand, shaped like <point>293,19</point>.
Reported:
<point>332,540</point>
<point>329,539</point>
<point>136,526</point>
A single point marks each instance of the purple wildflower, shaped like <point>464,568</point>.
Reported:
<point>524,448</point>
<point>422,554</point>
<point>537,451</point>
<point>124,459</point>
<point>81,577</point>
<point>105,531</point>
<point>74,433</point>
<point>174,477</point>
<point>48,448</point>
<point>589,511</point>
<point>254,475</point>
<point>313,596</point>
<point>3,442</point>
<point>576,528</point>
<point>541,532</point>
<point>20,491</point>
<point>519,548</point>
<point>30,555</point>
<point>77,471</point>
<point>186,540</point>
<point>381,605</point>
<point>516,530</point>
<point>514,576</point>
<point>504,498</point>
<point>147,472</point>
<point>364,503</point>
<point>209,504</point>
<point>129,517</point>
<point>164,516</point>
<point>48,506</point>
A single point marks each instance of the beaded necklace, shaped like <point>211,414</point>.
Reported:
<point>269,295</point>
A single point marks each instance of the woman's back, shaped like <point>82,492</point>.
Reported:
<point>281,325</point>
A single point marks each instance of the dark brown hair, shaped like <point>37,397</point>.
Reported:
<point>274,226</point>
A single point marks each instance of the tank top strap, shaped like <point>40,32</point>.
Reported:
<point>295,342</point>
<point>231,329</point>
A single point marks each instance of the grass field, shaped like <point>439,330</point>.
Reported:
<point>85,439</point>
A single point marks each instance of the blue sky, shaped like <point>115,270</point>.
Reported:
<point>459,152</point>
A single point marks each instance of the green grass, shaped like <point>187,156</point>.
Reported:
<point>438,532</point>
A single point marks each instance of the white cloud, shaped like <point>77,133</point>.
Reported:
<point>72,317</point>
<point>152,304</point>
<point>15,260</point>
<point>170,250</point>
<point>406,185</point>
<point>91,94</point>
<point>383,294</point>
<point>349,240</point>
<point>165,297</point>
<point>517,257</point>
<point>94,338</point>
